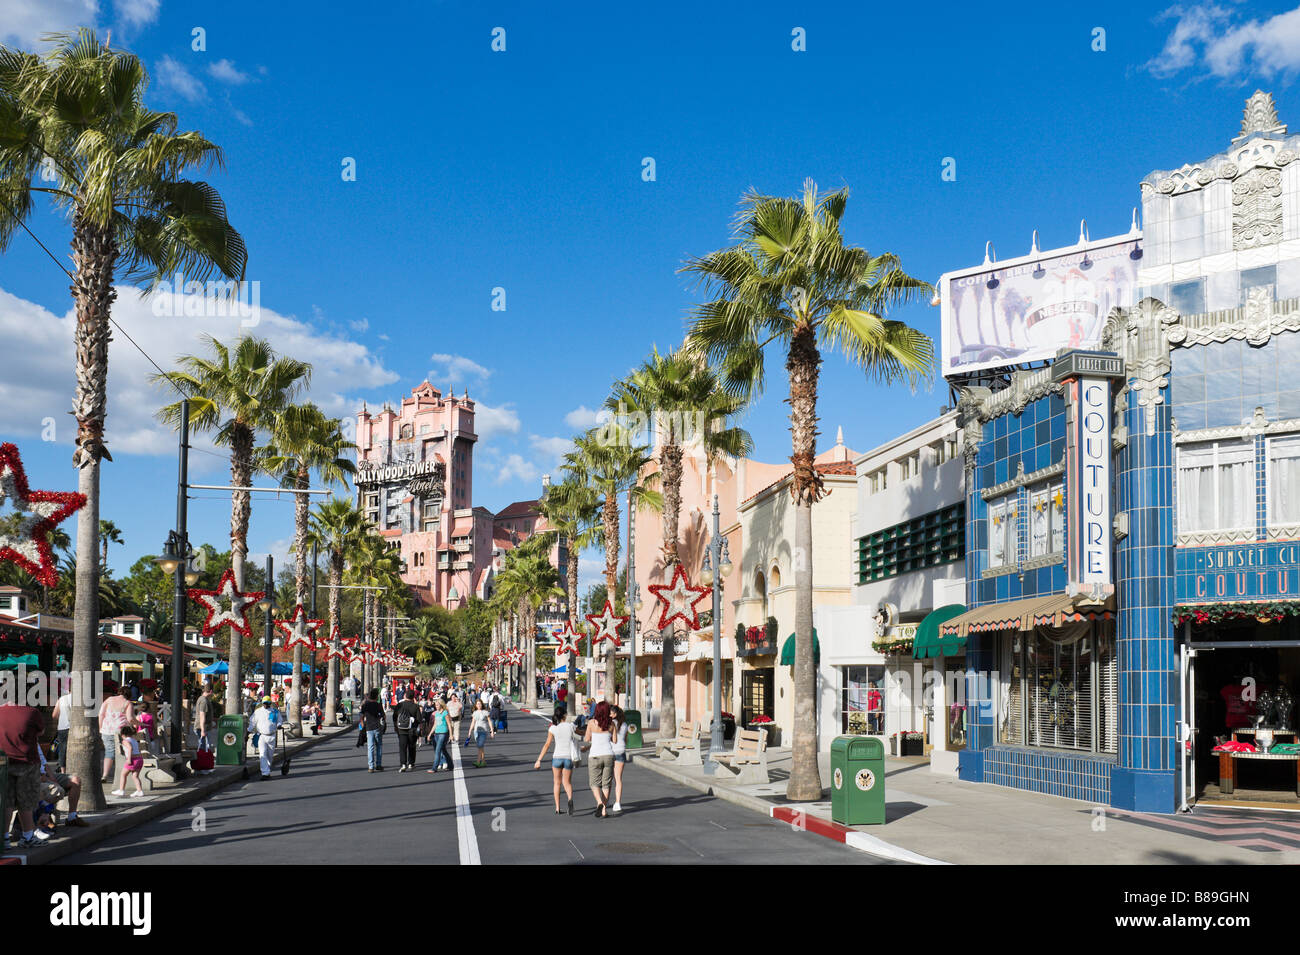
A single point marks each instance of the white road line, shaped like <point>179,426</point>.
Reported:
<point>577,850</point>
<point>712,823</point>
<point>689,846</point>
<point>464,818</point>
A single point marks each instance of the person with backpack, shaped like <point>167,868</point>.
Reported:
<point>440,732</point>
<point>408,716</point>
<point>497,712</point>
<point>375,725</point>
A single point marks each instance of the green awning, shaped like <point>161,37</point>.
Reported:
<point>787,650</point>
<point>929,643</point>
<point>28,660</point>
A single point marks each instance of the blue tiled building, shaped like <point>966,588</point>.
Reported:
<point>1133,505</point>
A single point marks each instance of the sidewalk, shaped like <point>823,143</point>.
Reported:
<point>934,818</point>
<point>125,813</point>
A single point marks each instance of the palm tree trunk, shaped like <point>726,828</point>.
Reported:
<point>530,661</point>
<point>611,583</point>
<point>806,486</point>
<point>241,509</point>
<point>300,514</point>
<point>571,572</point>
<point>332,676</point>
<point>94,254</point>
<point>670,463</point>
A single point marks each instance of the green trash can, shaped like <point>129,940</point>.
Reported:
<point>230,739</point>
<point>634,739</point>
<point>857,781</point>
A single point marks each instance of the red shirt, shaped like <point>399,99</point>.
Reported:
<point>20,733</point>
<point>1241,712</point>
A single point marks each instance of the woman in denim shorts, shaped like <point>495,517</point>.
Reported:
<point>560,733</point>
<point>620,755</point>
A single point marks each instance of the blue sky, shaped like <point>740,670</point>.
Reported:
<point>522,170</point>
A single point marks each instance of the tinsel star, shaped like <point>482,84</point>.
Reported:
<point>568,640</point>
<point>607,624</point>
<point>234,616</point>
<point>677,600</point>
<point>25,535</point>
<point>297,629</point>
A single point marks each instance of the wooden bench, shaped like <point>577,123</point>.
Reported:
<point>747,761</point>
<point>684,748</point>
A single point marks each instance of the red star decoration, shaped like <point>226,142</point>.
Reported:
<point>236,615</point>
<point>607,623</point>
<point>36,513</point>
<point>297,629</point>
<point>568,640</point>
<point>677,600</point>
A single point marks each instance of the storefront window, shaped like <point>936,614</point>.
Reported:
<point>1216,486</point>
<point>1059,689</point>
<point>756,693</point>
<point>862,700</point>
<point>1284,480</point>
<point>954,679</point>
<point>1047,521</point>
<point>1004,532</point>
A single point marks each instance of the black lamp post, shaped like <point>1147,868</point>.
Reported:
<point>722,560</point>
<point>267,604</point>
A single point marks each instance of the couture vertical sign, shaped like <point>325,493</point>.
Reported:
<point>1087,377</point>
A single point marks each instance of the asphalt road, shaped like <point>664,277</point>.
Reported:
<point>330,810</point>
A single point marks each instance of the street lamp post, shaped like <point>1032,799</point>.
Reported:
<point>267,603</point>
<point>311,685</point>
<point>722,560</point>
<point>632,589</point>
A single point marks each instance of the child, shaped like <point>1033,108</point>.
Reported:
<point>133,762</point>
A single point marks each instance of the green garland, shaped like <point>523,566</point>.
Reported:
<point>1203,614</point>
<point>892,646</point>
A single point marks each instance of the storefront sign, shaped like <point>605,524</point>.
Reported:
<point>368,473</point>
<point>1237,572</point>
<point>1088,479</point>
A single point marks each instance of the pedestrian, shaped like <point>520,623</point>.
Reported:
<point>495,710</point>
<point>266,720</point>
<point>620,754</point>
<point>407,716</point>
<point>454,709</point>
<point>599,737</point>
<point>61,709</point>
<point>70,786</point>
<point>115,712</point>
<point>375,725</point>
<point>480,727</point>
<point>560,733</point>
<point>20,733</point>
<point>132,762</point>
<point>439,731</point>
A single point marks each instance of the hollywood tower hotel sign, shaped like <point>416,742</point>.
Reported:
<point>415,472</point>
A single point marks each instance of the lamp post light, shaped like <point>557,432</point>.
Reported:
<point>311,685</point>
<point>267,606</point>
<point>717,554</point>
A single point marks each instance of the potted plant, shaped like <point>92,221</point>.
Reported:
<point>728,726</point>
<point>909,743</point>
<point>764,722</point>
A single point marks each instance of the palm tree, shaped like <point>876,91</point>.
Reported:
<point>250,388</point>
<point>572,510</point>
<point>791,279</point>
<point>334,527</point>
<point>530,579</point>
<point>684,403</point>
<point>303,440</point>
<point>605,459</point>
<point>428,640</point>
<point>119,174</point>
<point>108,534</point>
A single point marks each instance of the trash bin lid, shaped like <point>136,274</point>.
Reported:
<point>865,747</point>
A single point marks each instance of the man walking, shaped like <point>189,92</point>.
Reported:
<point>375,724</point>
<point>20,732</point>
<point>203,716</point>
<point>266,719</point>
<point>408,716</point>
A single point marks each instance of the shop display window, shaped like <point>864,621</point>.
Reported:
<point>862,700</point>
<point>1059,689</point>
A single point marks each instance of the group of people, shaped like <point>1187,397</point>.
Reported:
<point>35,786</point>
<point>432,714</point>
<point>605,738</point>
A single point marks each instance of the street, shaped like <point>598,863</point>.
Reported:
<point>329,809</point>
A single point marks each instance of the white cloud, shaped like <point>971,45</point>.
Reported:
<point>553,448</point>
<point>172,75</point>
<point>360,325</point>
<point>225,71</point>
<point>456,369</point>
<point>137,12</point>
<point>39,389</point>
<point>489,421</point>
<point>583,418</point>
<point>1226,48</point>
<point>517,468</point>
<point>23,21</point>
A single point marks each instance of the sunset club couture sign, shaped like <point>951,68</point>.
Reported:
<point>1088,471</point>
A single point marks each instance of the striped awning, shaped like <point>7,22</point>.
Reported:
<point>1053,610</point>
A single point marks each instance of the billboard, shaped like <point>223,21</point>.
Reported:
<point>1027,309</point>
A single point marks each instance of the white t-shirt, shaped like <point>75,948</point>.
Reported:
<point>65,704</point>
<point>480,721</point>
<point>601,745</point>
<point>565,745</point>
<point>620,741</point>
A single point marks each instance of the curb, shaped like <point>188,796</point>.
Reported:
<point>138,815</point>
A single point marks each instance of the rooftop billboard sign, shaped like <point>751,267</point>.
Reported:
<point>1027,309</point>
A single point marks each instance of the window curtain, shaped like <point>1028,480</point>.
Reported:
<point>1284,480</point>
<point>1236,486</point>
<point>1196,489</point>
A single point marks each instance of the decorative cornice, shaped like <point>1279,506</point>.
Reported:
<point>1255,322</point>
<point>1044,560</point>
<point>1006,570</point>
<point>1212,538</point>
<point>1215,434</point>
<point>1284,533</point>
<point>1142,336</point>
<point>1024,480</point>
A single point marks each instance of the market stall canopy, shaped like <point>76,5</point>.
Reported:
<point>221,666</point>
<point>787,650</point>
<point>28,660</point>
<point>1052,610</point>
<point>930,643</point>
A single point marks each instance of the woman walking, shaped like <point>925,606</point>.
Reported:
<point>116,712</point>
<point>560,733</point>
<point>600,738</point>
<point>480,728</point>
<point>440,731</point>
<point>620,754</point>
<point>375,724</point>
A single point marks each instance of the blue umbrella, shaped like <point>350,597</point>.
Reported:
<point>219,667</point>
